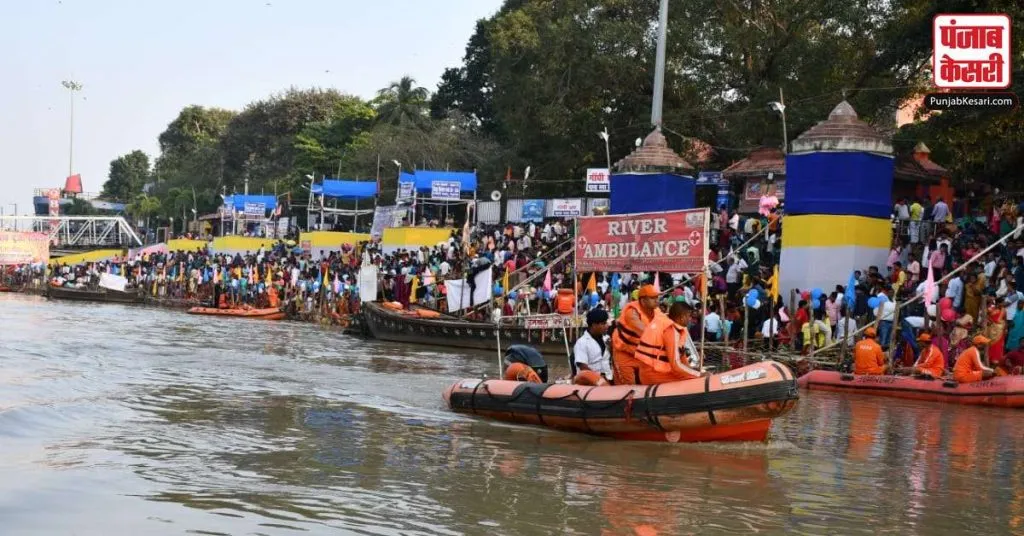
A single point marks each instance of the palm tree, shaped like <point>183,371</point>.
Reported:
<point>402,102</point>
<point>179,199</point>
<point>143,206</point>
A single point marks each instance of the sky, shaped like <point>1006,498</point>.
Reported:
<point>141,61</point>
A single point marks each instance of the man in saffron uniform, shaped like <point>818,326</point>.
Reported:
<point>968,367</point>
<point>665,351</point>
<point>628,329</point>
<point>931,363</point>
<point>590,360</point>
<point>868,358</point>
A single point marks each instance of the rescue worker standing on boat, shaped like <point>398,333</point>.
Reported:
<point>665,351</point>
<point>590,363</point>
<point>628,329</point>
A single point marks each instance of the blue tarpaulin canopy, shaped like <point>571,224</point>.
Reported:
<point>238,201</point>
<point>425,179</point>
<point>346,189</point>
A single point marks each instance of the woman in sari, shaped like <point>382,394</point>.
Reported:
<point>996,331</point>
<point>972,294</point>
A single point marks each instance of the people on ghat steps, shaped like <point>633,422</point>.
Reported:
<point>590,363</point>
<point>665,352</point>
<point>968,367</point>
<point>630,326</point>
<point>868,358</point>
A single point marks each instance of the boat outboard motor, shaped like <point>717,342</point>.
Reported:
<point>529,356</point>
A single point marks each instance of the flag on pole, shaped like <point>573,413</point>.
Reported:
<point>774,282</point>
<point>930,288</point>
<point>504,282</point>
<point>851,292</point>
<point>415,287</point>
<point>592,283</point>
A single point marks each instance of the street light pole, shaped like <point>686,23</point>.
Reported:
<point>785,136</point>
<point>659,68</point>
<point>607,151</point>
<point>72,87</point>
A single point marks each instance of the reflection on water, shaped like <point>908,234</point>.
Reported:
<point>125,420</point>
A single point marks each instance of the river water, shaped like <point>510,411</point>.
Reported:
<point>126,420</point>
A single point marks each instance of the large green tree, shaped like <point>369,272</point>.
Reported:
<point>128,174</point>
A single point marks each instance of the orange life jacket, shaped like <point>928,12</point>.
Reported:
<point>222,303</point>
<point>519,372</point>
<point>651,350</point>
<point>625,339</point>
<point>565,302</point>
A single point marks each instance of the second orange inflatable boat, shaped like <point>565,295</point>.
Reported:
<point>261,314</point>
<point>1005,391</point>
<point>738,405</point>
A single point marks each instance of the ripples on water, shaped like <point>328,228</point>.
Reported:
<point>124,420</point>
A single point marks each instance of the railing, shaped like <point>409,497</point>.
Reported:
<point>85,196</point>
<point>76,231</point>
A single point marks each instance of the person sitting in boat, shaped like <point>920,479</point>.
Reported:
<point>868,358</point>
<point>665,352</point>
<point>968,367</point>
<point>931,361</point>
<point>629,328</point>
<point>524,364</point>
<point>590,364</point>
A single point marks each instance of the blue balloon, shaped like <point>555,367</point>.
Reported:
<point>751,299</point>
<point>816,293</point>
<point>753,292</point>
<point>513,295</point>
<point>594,299</point>
<point>498,290</point>
<point>883,298</point>
<point>873,302</point>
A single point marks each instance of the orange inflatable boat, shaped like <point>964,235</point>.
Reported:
<point>272,313</point>
<point>1005,391</point>
<point>738,405</point>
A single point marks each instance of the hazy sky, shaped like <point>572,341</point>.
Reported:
<point>141,61</point>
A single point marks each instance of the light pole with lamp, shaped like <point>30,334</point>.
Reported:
<point>607,151</point>
<point>398,186</point>
<point>780,108</point>
<point>72,87</point>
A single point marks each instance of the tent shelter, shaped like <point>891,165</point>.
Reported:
<point>436,189</point>
<point>343,190</point>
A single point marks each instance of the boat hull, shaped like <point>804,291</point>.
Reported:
<point>258,314</point>
<point>735,406</point>
<point>387,325</point>
<point>1005,391</point>
<point>102,295</point>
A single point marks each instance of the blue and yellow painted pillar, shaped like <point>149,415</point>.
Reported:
<point>838,203</point>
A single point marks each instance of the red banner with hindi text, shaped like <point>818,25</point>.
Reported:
<point>23,248</point>
<point>674,241</point>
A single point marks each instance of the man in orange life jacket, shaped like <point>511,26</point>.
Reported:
<point>968,367</point>
<point>628,329</point>
<point>664,348</point>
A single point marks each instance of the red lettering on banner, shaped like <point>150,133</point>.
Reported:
<point>673,241</point>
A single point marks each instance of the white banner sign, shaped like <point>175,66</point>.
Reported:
<point>113,282</point>
<point>567,208</point>
<point>404,192</point>
<point>446,190</point>
<point>255,210</point>
<point>598,180</point>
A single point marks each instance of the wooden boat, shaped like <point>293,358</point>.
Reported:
<point>407,326</point>
<point>4,288</point>
<point>738,405</point>
<point>97,295</point>
<point>1004,391</point>
<point>272,313</point>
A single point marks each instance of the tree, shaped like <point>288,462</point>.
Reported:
<point>128,174</point>
<point>142,207</point>
<point>190,153</point>
<point>402,103</point>
<point>79,207</point>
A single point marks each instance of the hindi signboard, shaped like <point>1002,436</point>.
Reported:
<point>545,322</point>
<point>255,210</point>
<point>674,241</point>
<point>386,218</point>
<point>971,51</point>
<point>599,180</point>
<point>567,208</point>
<point>446,190</point>
<point>24,248</point>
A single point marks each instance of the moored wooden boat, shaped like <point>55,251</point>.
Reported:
<point>271,313</point>
<point>1004,391</point>
<point>738,405</point>
<point>406,326</point>
<point>98,295</point>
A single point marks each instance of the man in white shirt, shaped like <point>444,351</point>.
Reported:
<point>713,324</point>
<point>955,291</point>
<point>590,351</point>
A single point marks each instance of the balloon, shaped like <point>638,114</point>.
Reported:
<point>752,300</point>
<point>873,302</point>
<point>883,298</point>
<point>753,292</point>
<point>594,299</point>
<point>948,315</point>
<point>513,295</point>
<point>805,295</point>
<point>498,290</point>
<point>945,304</point>
<point>816,293</point>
